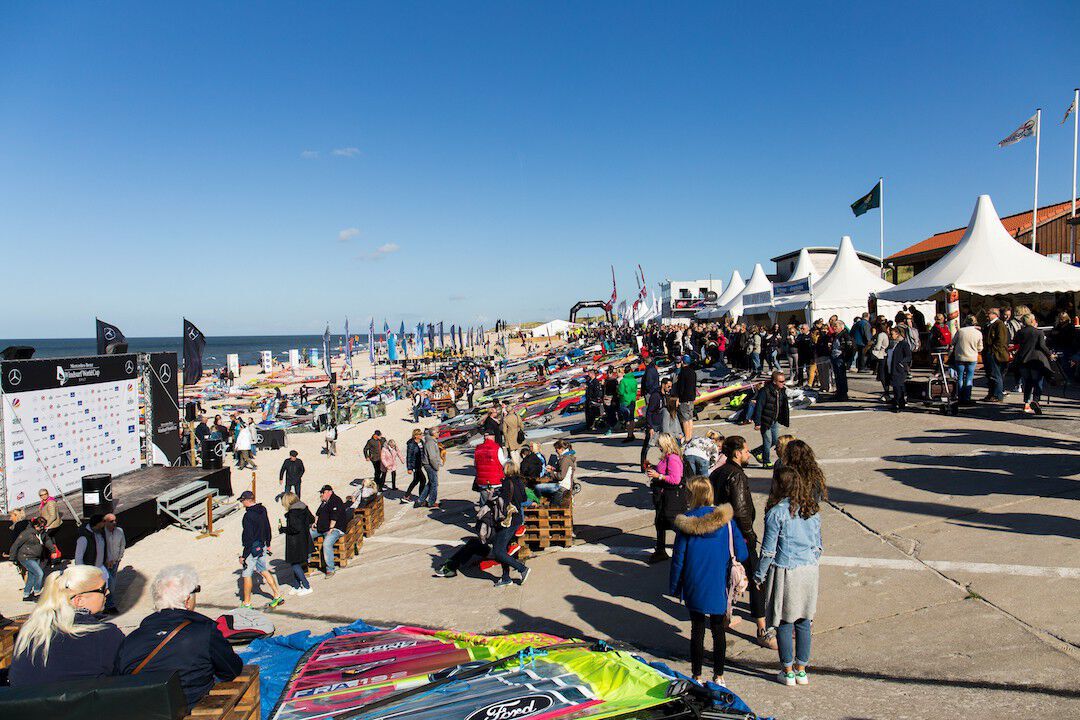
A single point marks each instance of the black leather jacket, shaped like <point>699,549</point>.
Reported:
<point>730,485</point>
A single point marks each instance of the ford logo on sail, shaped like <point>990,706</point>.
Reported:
<point>521,707</point>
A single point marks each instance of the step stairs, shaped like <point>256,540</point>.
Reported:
<point>186,504</point>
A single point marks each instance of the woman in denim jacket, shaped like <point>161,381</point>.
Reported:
<point>788,569</point>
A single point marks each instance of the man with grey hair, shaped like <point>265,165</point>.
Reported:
<point>175,638</point>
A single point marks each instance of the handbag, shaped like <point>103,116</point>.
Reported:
<point>163,643</point>
<point>737,582</point>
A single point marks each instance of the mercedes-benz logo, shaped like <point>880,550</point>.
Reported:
<point>165,373</point>
<point>129,367</point>
<point>106,492</point>
<point>219,449</point>
<point>15,377</point>
<point>258,438</point>
<point>109,334</point>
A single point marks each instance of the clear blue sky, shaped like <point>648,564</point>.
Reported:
<point>495,158</point>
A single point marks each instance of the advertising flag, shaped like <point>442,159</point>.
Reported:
<point>1025,130</point>
<point>431,336</point>
<point>461,345</point>
<point>107,334</point>
<point>868,201</point>
<point>348,344</point>
<point>442,335</point>
<point>326,349</point>
<point>1069,111</point>
<point>371,341</point>
<point>194,342</point>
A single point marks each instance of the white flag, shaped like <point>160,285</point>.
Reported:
<point>1025,130</point>
<point>1072,109</point>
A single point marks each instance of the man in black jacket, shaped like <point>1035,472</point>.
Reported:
<point>330,523</point>
<point>898,365</point>
<point>187,642</point>
<point>730,485</point>
<point>594,399</point>
<point>255,556</point>
<point>771,410</point>
<point>291,473</point>
<point>373,454</point>
<point>686,391</point>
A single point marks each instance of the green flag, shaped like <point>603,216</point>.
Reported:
<point>868,201</point>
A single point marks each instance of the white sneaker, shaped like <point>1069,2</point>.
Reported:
<point>294,591</point>
<point>304,591</point>
<point>786,677</point>
<point>800,678</point>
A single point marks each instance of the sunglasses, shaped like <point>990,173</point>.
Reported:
<point>103,590</point>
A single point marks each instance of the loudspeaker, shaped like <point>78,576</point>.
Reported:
<point>97,494</point>
<point>189,412</point>
<point>116,348</point>
<point>17,352</point>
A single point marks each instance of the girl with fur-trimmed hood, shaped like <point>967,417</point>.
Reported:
<point>705,540</point>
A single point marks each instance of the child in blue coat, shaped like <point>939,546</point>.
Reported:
<point>705,540</point>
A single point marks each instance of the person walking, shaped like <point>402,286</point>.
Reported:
<point>390,457</point>
<point>242,445</point>
<point>730,485</point>
<point>863,335</point>
<point>373,454</point>
<point>414,461</point>
<point>898,364</point>
<point>431,462</point>
<point>255,555</point>
<point>788,571</point>
<point>654,418</point>
<point>29,550</point>
<point>1033,357</point>
<point>513,432</point>
<point>330,440</point>
<point>628,391</point>
<point>707,544</point>
<point>669,493</point>
<point>995,355</point>
<point>291,474</point>
<point>298,542</point>
<point>967,345</point>
<point>841,352</point>
<point>771,410</point>
<point>877,355</point>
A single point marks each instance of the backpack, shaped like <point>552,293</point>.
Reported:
<point>912,337</point>
<point>737,581</point>
<point>847,346</point>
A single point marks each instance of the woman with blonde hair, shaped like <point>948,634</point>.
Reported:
<point>414,463</point>
<point>707,543</point>
<point>63,639</point>
<point>669,492</point>
<point>298,542</point>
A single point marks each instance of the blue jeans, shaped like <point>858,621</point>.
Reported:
<point>548,488</point>
<point>755,362</point>
<point>801,652</point>
<point>330,538</point>
<point>499,547</point>
<point>769,435</point>
<point>1032,380</point>
<point>965,378</point>
<point>774,362</point>
<point>695,466</point>
<point>35,576</point>
<point>301,578</point>
<point>840,374</point>
<point>430,494</point>
<point>995,385</point>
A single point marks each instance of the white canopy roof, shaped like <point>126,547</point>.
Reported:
<point>756,297</point>
<point>803,268</point>
<point>552,328</point>
<point>988,261</point>
<point>731,291</point>
<point>847,281</point>
<point>795,299</point>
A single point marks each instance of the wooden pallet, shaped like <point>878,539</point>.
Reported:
<point>234,700</point>
<point>547,525</point>
<point>7,640</point>
<point>372,515</point>
<point>345,549</point>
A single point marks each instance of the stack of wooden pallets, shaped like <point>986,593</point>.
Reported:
<point>234,700</point>
<point>547,525</point>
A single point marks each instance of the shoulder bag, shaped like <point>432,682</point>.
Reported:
<point>737,582</point>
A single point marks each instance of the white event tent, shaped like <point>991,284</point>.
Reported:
<point>795,293</point>
<point>987,261</point>
<point>753,298</point>
<point>731,291</point>
<point>552,328</point>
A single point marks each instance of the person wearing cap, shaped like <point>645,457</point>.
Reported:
<point>373,454</point>
<point>256,549</point>
<point>330,525</point>
<point>686,391</point>
<point>291,474</point>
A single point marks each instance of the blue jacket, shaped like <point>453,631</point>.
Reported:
<point>71,657</point>
<point>414,455</point>
<point>699,566</point>
<point>788,542</point>
<point>199,652</point>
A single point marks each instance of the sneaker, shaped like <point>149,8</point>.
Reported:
<point>786,677</point>
<point>445,572</point>
<point>719,680</point>
<point>276,602</point>
<point>246,606</point>
<point>294,591</point>
<point>800,678</point>
<point>524,576</point>
<point>503,582</point>
<point>304,591</point>
<point>767,464</point>
<point>767,638</point>
<point>1035,406</point>
<point>658,557</point>
<point>331,574</point>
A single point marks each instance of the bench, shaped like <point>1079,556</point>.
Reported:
<point>345,549</point>
<point>371,514</point>
<point>547,525</point>
<point>233,700</point>
<point>7,640</point>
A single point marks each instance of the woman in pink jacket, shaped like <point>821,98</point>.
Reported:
<point>390,457</point>
<point>669,492</point>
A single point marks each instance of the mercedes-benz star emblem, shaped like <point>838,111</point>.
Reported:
<point>15,377</point>
<point>129,367</point>
<point>165,374</point>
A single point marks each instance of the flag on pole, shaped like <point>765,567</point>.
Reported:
<point>442,335</point>
<point>348,344</point>
<point>614,293</point>
<point>453,336</point>
<point>461,345</point>
<point>194,342</point>
<point>868,201</point>
<point>1069,111</point>
<point>107,334</point>
<point>431,336</point>
<point>1025,130</point>
<point>371,341</point>
<point>420,339</point>
<point>326,349</point>
<point>385,330</point>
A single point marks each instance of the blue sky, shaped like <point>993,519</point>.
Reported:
<point>460,161</point>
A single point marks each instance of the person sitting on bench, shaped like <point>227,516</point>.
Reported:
<point>175,638</point>
<point>562,474</point>
<point>330,524</point>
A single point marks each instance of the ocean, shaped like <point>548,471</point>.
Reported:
<point>247,347</point>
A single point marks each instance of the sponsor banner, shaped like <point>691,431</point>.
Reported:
<point>793,287</point>
<point>165,433</point>
<point>758,298</point>
<point>68,417</point>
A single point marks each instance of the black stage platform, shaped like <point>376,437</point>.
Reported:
<point>134,502</point>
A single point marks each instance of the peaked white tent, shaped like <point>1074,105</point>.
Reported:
<point>552,328</point>
<point>845,289</point>
<point>756,297</point>
<point>804,268</point>
<point>987,261</point>
<point>731,291</point>
<point>795,293</point>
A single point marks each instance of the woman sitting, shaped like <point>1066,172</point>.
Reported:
<point>705,542</point>
<point>63,639</point>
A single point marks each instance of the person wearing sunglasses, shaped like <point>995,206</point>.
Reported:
<point>64,639</point>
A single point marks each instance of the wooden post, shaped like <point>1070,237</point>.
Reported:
<point>191,437</point>
<point>253,483</point>
<point>209,531</point>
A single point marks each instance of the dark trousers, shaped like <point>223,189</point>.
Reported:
<point>500,547</point>
<point>418,480</point>
<point>757,597</point>
<point>592,414</point>
<point>995,384</point>
<point>697,642</point>
<point>380,473</point>
<point>840,375</point>
<point>611,413</point>
<point>899,388</point>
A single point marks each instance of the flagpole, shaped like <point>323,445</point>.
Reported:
<point>881,218</point>
<point>1076,134</point>
<point>1035,209</point>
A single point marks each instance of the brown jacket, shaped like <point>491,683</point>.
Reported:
<point>996,341</point>
<point>511,426</point>
<point>51,513</point>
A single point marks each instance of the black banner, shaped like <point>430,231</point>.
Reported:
<point>108,334</point>
<point>48,374</point>
<point>194,341</point>
<point>164,408</point>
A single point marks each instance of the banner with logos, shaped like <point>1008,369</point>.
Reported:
<point>164,409</point>
<point>67,417</point>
